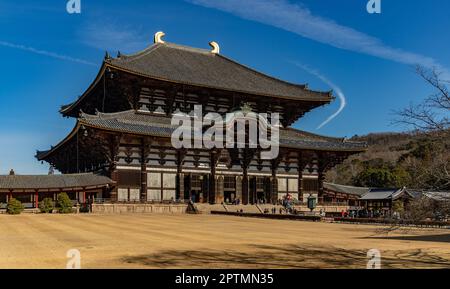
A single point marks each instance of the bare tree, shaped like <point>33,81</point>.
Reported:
<point>429,207</point>
<point>432,115</point>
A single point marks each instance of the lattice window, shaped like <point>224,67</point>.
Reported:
<point>196,182</point>
<point>229,183</point>
<point>260,184</point>
<point>311,185</point>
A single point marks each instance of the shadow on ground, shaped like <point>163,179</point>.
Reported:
<point>425,238</point>
<point>286,256</point>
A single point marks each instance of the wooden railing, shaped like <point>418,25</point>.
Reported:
<point>140,201</point>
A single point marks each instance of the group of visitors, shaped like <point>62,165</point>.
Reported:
<point>364,213</point>
<point>236,202</point>
<point>274,210</point>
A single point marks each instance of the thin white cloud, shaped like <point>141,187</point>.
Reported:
<point>112,37</point>
<point>45,53</point>
<point>336,89</point>
<point>298,19</point>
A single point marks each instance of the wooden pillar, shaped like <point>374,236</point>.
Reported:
<point>114,191</point>
<point>268,189</point>
<point>36,199</point>
<point>220,196</point>
<point>190,188</point>
<point>161,188</point>
<point>144,153</point>
<point>143,194</point>
<point>177,186</point>
<point>212,179</point>
<point>274,181</point>
<point>205,188</point>
<point>300,184</point>
<point>245,187</point>
<point>239,188</point>
<point>325,160</point>
<point>320,183</point>
<point>179,192</point>
<point>113,147</point>
<point>303,160</point>
<point>253,190</point>
<point>247,156</point>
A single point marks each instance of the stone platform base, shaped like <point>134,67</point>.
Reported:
<point>138,208</point>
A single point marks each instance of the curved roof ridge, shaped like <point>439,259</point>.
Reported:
<point>347,186</point>
<point>304,86</point>
<point>315,135</point>
<point>137,54</point>
<point>189,48</point>
<point>49,175</point>
<point>343,140</point>
<point>117,113</point>
<point>155,46</point>
<point>105,115</point>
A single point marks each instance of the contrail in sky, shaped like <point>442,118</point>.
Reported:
<point>336,89</point>
<point>45,53</point>
<point>298,19</point>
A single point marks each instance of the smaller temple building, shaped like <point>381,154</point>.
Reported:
<point>32,189</point>
<point>335,194</point>
<point>381,201</point>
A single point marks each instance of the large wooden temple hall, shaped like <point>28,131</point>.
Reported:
<point>123,130</point>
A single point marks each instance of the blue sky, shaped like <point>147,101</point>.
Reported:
<point>49,57</point>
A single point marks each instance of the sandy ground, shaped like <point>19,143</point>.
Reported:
<point>206,241</point>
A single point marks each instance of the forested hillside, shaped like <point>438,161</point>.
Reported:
<point>414,160</point>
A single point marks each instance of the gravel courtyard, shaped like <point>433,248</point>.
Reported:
<point>208,241</point>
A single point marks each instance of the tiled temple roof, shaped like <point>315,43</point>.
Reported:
<point>48,182</point>
<point>199,67</point>
<point>142,123</point>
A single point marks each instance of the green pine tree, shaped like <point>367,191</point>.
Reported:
<point>14,207</point>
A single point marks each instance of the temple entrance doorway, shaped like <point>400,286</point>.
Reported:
<point>195,186</point>
<point>229,189</point>
<point>260,190</point>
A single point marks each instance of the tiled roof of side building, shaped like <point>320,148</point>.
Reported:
<point>199,67</point>
<point>358,191</point>
<point>379,194</point>
<point>41,182</point>
<point>150,124</point>
<point>385,194</point>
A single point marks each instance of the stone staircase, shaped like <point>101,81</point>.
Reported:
<point>192,208</point>
<point>260,209</point>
